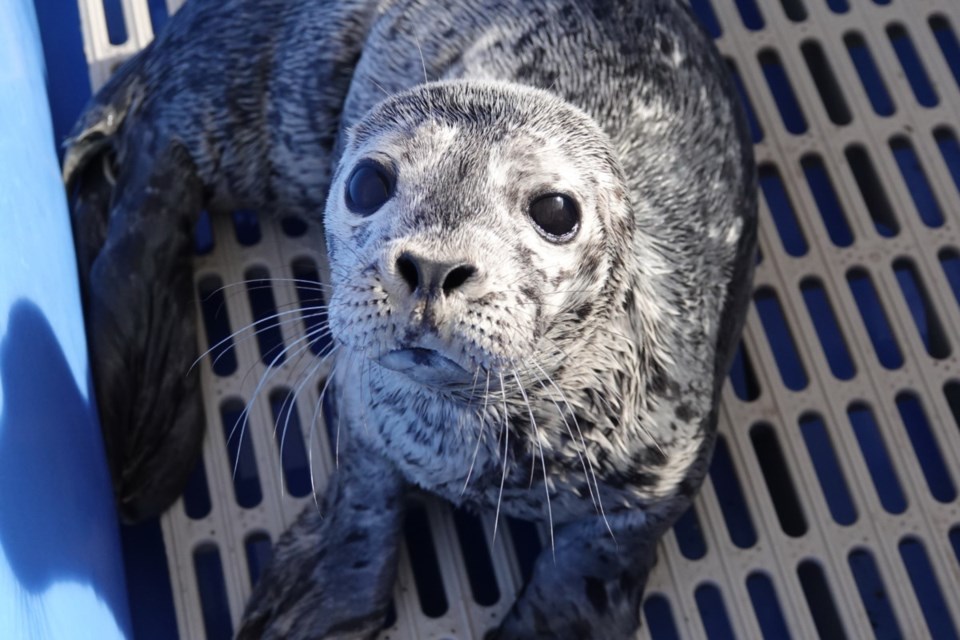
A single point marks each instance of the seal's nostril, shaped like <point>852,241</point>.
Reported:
<point>407,268</point>
<point>457,277</point>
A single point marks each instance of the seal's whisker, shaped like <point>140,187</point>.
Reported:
<point>258,282</point>
<point>480,433</point>
<point>505,430</point>
<point>271,370</point>
<point>546,486</point>
<point>321,329</point>
<point>313,425</point>
<point>580,452</point>
<point>293,406</point>
<point>247,327</point>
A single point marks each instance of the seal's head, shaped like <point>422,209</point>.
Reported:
<point>473,229</point>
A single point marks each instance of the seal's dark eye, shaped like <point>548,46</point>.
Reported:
<point>557,215</point>
<point>368,187</point>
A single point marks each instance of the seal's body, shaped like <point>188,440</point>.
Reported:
<point>540,224</point>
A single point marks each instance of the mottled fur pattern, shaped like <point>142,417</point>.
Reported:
<point>596,363</point>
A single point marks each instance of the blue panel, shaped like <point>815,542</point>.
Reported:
<point>756,131</point>
<point>213,594</point>
<point>116,29</point>
<point>912,66</point>
<point>782,211</point>
<point>950,262</point>
<point>708,18</point>
<point>781,341</point>
<point>873,192</point>
<point>158,14</point>
<point>921,309</point>
<point>742,376</point>
<point>265,325</point>
<point>750,14</point>
<point>877,457</point>
<point>827,201</point>
<point>196,495</point>
<point>927,589</point>
<point>659,618</point>
<point>259,551</point>
<point>873,594</point>
<point>689,535</point>
<point>60,549</point>
<point>776,475</point>
<point>216,324</point>
<point>240,454</point>
<point>783,94</point>
<point>869,74</point>
<point>723,475</point>
<point>824,457</point>
<point>246,226</point>
<point>291,443</point>
<point>476,558</point>
<point>838,6</point>
<point>716,622</point>
<point>148,582</point>
<point>766,606</point>
<point>925,447</point>
<point>916,179</point>
<point>828,331</point>
<point>949,45</point>
<point>822,605</point>
<point>875,319</point>
<point>950,150</point>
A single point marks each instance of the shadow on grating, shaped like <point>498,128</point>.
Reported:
<point>196,495</point>
<point>258,550</point>
<point>476,556</point>
<point>743,377</point>
<point>313,308</point>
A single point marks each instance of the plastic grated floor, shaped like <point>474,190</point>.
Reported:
<point>831,507</point>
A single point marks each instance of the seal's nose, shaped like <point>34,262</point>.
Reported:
<point>432,277</point>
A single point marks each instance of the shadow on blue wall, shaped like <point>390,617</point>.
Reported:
<point>53,526</point>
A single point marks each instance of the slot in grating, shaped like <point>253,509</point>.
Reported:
<point>840,422</point>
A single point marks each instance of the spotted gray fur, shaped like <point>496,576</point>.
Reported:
<point>597,362</point>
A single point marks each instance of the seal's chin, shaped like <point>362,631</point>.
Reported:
<point>425,366</point>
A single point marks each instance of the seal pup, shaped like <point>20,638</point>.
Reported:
<point>540,219</point>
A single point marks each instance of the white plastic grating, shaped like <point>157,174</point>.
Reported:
<point>832,506</point>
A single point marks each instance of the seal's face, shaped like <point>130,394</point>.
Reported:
<point>470,233</point>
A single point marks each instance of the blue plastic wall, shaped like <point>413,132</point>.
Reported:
<point>61,574</point>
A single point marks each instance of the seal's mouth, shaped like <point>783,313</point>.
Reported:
<point>426,366</point>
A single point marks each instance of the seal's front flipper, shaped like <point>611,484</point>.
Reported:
<point>134,236</point>
<point>591,585</point>
<point>333,571</point>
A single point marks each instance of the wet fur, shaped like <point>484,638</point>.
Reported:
<point>599,362</point>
